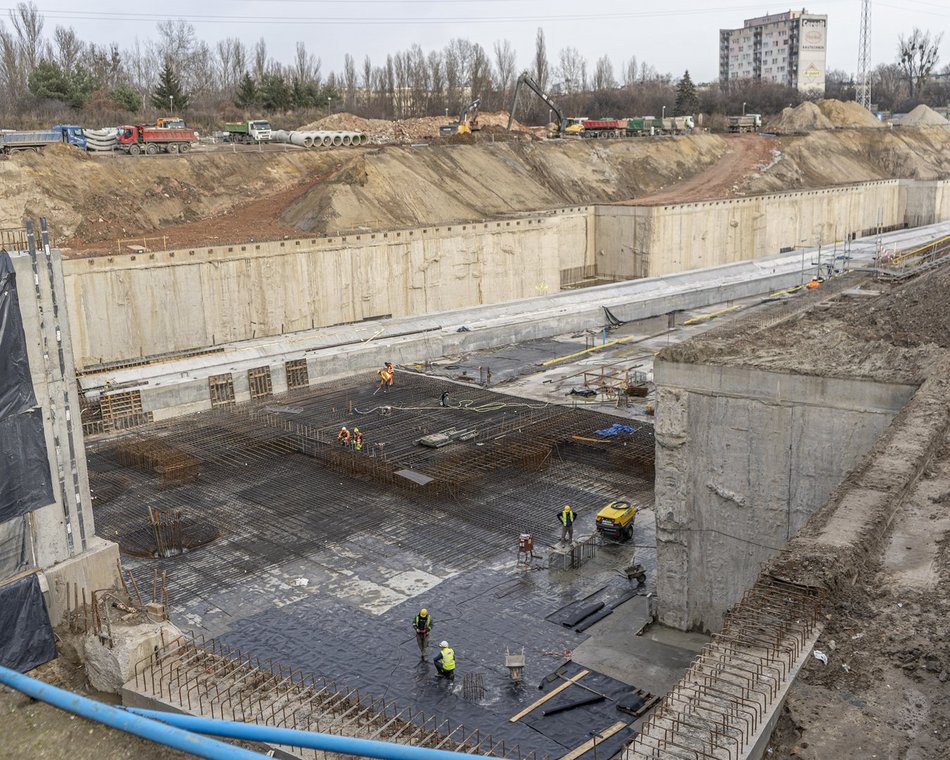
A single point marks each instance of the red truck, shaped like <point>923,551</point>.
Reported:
<point>143,138</point>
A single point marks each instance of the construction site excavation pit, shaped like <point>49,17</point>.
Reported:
<point>325,554</point>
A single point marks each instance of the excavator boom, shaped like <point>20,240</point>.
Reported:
<point>526,80</point>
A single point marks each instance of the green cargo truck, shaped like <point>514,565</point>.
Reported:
<point>248,132</point>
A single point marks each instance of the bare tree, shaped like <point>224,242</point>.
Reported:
<point>505,67</point>
<point>68,47</point>
<point>603,74</point>
<point>260,59</point>
<point>435,63</point>
<point>350,84</point>
<point>306,65</point>
<point>480,72</point>
<point>572,68</point>
<point>542,69</point>
<point>917,56</point>
<point>630,72</point>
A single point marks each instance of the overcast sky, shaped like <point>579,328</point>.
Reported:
<point>671,35</point>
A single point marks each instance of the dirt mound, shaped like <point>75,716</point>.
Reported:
<point>824,158</point>
<point>382,131</point>
<point>923,116</point>
<point>912,314</point>
<point>806,116</point>
<point>848,114</point>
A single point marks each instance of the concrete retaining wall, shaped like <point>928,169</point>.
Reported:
<point>129,306</point>
<point>639,241</point>
<point>146,304</point>
<point>744,458</point>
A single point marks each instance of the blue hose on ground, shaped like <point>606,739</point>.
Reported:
<point>345,745</point>
<point>152,730</point>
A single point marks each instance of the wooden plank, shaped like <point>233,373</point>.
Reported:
<point>557,690</point>
<point>589,745</point>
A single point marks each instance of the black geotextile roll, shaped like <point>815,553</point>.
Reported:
<point>582,613</point>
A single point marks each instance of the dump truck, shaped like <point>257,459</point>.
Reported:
<point>12,140</point>
<point>141,138</point>
<point>248,132</point>
<point>615,520</point>
<point>750,122</point>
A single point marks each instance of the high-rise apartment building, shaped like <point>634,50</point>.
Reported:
<point>786,48</point>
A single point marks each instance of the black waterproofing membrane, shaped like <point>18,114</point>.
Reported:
<point>25,481</point>
<point>26,636</point>
<point>15,555</point>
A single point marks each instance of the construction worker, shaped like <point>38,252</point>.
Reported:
<point>386,375</point>
<point>357,439</point>
<point>445,662</point>
<point>566,517</point>
<point>422,624</point>
<point>444,400</point>
<point>813,283</point>
<point>343,436</point>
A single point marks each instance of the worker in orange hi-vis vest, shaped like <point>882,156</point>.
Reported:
<point>386,377</point>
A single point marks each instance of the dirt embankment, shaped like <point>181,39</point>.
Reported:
<point>855,155</point>
<point>216,196</point>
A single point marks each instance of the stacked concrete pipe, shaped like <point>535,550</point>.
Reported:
<point>320,138</point>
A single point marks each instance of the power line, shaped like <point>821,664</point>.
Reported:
<point>77,15</point>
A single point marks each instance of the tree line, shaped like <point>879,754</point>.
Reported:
<point>55,76</point>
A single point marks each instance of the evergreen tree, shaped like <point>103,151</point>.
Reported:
<point>169,93</point>
<point>47,80</point>
<point>126,97</point>
<point>246,92</point>
<point>274,93</point>
<point>687,102</point>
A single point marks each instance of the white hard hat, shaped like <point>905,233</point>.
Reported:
<point>443,644</point>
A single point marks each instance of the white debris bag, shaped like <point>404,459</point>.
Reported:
<point>819,655</point>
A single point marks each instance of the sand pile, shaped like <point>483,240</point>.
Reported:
<point>803,117</point>
<point>923,116</point>
<point>405,130</point>
<point>849,114</point>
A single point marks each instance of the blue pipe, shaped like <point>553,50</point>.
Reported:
<point>344,745</point>
<point>152,730</point>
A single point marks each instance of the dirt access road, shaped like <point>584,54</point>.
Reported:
<point>745,156</point>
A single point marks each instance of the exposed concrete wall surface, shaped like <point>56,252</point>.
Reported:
<point>147,304</point>
<point>126,307</point>
<point>925,201</point>
<point>638,241</point>
<point>744,458</point>
<point>173,387</point>
<point>63,538</point>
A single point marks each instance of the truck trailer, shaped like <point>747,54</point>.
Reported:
<point>248,132</point>
<point>142,138</point>
<point>750,122</point>
<point>12,140</point>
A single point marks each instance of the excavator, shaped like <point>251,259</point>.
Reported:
<point>555,129</point>
<point>467,123</point>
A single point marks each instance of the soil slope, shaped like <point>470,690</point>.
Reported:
<point>215,195</point>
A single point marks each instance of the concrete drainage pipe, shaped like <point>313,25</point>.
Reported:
<point>280,136</point>
<point>303,139</point>
<point>337,140</point>
<point>347,139</point>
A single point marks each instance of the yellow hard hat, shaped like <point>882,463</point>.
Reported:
<point>424,612</point>
<point>356,430</point>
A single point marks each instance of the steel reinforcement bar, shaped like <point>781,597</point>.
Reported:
<point>206,677</point>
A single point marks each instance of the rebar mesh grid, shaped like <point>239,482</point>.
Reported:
<point>273,479</point>
<point>208,678</point>
<point>725,697</point>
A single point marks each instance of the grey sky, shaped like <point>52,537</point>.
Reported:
<point>671,36</point>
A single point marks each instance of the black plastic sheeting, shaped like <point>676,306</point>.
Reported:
<point>573,727</point>
<point>25,479</point>
<point>15,555</point>
<point>26,636</point>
